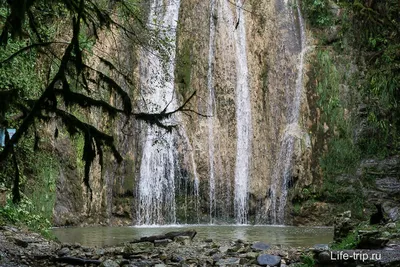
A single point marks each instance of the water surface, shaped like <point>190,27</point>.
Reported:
<point>274,235</point>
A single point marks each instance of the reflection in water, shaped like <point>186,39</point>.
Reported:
<point>284,235</point>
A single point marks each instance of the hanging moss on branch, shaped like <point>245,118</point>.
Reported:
<point>70,80</point>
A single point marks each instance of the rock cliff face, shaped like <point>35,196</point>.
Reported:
<point>236,156</point>
<point>273,47</point>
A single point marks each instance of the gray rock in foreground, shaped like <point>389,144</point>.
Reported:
<point>268,259</point>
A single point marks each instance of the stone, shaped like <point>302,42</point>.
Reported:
<point>213,252</point>
<point>390,226</point>
<point>217,257</point>
<point>137,248</point>
<point>215,245</point>
<point>268,259</point>
<point>251,255</point>
<point>243,250</point>
<point>342,226</point>
<point>324,257</point>
<point>320,247</point>
<point>260,246</point>
<point>177,258</point>
<point>143,264</point>
<point>162,242</point>
<point>228,261</point>
<point>371,239</point>
<point>184,240</point>
<point>63,252</point>
<point>21,242</point>
<point>170,235</point>
<point>109,263</point>
<point>99,251</point>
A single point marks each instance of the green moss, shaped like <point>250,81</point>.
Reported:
<point>42,191</point>
<point>79,143</point>
<point>183,70</point>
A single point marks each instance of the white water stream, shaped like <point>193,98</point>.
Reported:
<point>243,120</point>
<point>211,113</point>
<point>156,190</point>
<point>282,172</point>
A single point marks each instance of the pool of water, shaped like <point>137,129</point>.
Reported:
<point>274,235</point>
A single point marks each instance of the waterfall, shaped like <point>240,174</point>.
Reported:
<point>210,112</point>
<point>156,189</point>
<point>243,120</point>
<point>283,170</point>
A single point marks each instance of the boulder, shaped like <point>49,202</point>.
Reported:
<point>342,226</point>
<point>268,259</point>
<point>371,239</point>
<point>324,257</point>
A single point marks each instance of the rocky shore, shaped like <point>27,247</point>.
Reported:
<point>23,248</point>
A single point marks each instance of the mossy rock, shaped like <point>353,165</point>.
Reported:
<point>138,248</point>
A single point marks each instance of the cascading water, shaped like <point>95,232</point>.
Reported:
<point>210,112</point>
<point>156,189</point>
<point>283,169</point>
<point>243,120</point>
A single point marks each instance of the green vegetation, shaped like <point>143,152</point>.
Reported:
<point>372,29</point>
<point>45,76</point>
<point>349,242</point>
<point>54,73</point>
<point>317,12</point>
<point>25,215</point>
<point>338,154</point>
<point>38,172</point>
<point>356,81</point>
<point>184,69</point>
<point>307,260</point>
